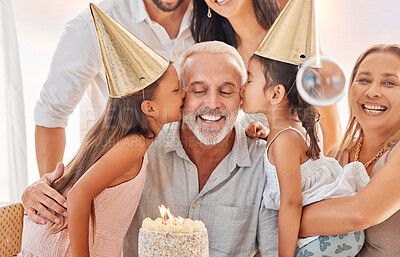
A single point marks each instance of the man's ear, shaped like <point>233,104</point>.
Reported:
<point>279,93</point>
<point>147,108</point>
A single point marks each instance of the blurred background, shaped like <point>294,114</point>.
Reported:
<point>346,29</point>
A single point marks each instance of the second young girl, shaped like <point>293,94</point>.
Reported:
<point>298,174</point>
<point>104,181</point>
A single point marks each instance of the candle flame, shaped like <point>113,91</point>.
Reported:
<point>170,216</point>
<point>164,212</point>
<point>180,220</point>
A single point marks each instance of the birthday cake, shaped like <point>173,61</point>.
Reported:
<point>175,236</point>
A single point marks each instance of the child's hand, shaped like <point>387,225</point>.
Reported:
<point>257,130</point>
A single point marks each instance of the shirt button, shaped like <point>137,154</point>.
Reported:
<point>191,169</point>
<point>194,205</point>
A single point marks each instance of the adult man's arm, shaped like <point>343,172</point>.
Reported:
<point>49,145</point>
<point>75,64</point>
<point>39,198</point>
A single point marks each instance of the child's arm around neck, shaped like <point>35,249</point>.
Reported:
<point>121,163</point>
<point>287,152</point>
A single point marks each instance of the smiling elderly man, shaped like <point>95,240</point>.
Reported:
<point>205,167</point>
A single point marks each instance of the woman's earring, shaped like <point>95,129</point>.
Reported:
<point>209,15</point>
<point>154,115</point>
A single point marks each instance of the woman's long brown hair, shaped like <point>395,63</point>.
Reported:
<point>122,117</point>
<point>354,131</point>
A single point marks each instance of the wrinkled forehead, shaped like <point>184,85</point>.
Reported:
<point>213,68</point>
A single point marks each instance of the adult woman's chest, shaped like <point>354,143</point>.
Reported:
<point>383,239</point>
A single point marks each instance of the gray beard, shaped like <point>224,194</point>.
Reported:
<point>210,136</point>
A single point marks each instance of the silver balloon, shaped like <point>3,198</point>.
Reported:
<point>321,82</point>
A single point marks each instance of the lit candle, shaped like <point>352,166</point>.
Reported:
<point>163,212</point>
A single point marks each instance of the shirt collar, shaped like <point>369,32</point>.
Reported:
<point>138,11</point>
<point>240,151</point>
<point>172,138</point>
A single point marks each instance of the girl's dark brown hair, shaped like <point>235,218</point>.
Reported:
<point>280,73</point>
<point>122,117</point>
<point>219,28</point>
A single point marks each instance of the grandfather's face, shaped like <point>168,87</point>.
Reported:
<point>212,101</point>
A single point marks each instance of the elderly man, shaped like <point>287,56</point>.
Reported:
<point>205,167</point>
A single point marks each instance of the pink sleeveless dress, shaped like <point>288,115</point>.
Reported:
<point>114,209</point>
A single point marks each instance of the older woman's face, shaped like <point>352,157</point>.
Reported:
<point>230,8</point>
<point>375,93</point>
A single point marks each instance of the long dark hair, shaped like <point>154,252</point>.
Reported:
<point>281,73</point>
<point>219,28</point>
<point>122,117</point>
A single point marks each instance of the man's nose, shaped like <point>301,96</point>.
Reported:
<point>213,100</point>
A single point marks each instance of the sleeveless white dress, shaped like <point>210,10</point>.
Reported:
<point>321,179</point>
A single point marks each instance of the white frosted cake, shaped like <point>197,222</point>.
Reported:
<point>173,237</point>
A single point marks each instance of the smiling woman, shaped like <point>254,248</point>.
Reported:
<point>373,99</point>
<point>374,92</point>
<point>372,137</point>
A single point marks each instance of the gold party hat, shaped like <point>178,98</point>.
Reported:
<point>293,37</point>
<point>130,65</point>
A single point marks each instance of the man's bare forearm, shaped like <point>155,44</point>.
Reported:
<point>50,146</point>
